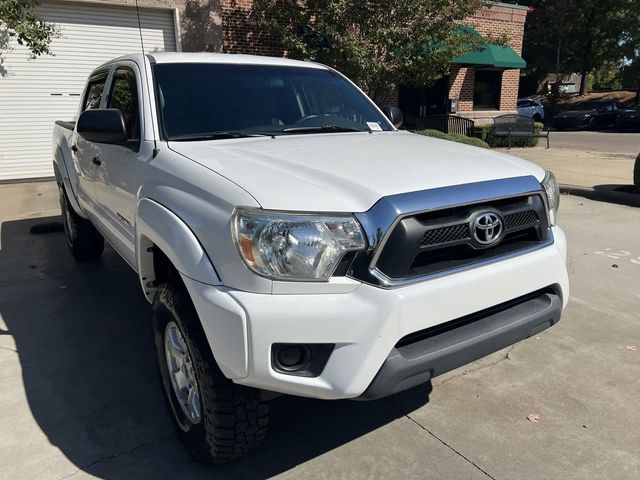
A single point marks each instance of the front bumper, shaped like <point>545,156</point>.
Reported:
<point>367,323</point>
<point>437,350</point>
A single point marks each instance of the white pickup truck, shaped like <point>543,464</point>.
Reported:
<point>292,240</point>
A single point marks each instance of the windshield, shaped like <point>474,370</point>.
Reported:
<point>209,101</point>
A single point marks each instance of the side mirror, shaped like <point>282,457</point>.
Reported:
<point>102,126</point>
<point>394,114</point>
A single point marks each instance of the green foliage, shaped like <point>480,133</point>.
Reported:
<point>564,36</point>
<point>19,20</point>
<point>486,133</point>
<point>375,43</point>
<point>607,75</point>
<point>452,137</point>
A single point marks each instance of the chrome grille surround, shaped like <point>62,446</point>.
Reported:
<point>379,222</point>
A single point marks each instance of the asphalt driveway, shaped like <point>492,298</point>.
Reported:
<point>598,141</point>
<point>80,395</point>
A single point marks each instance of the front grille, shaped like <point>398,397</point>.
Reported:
<point>516,220</point>
<point>451,233</point>
<point>442,240</point>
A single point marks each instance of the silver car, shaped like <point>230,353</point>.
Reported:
<point>531,108</point>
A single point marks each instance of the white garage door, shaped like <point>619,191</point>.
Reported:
<point>35,93</point>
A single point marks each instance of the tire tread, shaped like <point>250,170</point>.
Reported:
<point>235,418</point>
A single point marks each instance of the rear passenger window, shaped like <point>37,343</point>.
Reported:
<point>94,93</point>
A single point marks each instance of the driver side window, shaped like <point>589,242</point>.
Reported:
<point>124,97</point>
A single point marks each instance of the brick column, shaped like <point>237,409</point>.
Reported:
<point>461,80</point>
<point>509,91</point>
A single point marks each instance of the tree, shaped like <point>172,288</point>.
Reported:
<point>548,37</point>
<point>631,51</point>
<point>577,35</point>
<point>607,75</point>
<point>19,20</point>
<point>373,42</point>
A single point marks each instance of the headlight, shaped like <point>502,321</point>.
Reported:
<point>289,246</point>
<point>552,192</point>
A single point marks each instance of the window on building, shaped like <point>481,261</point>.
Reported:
<point>486,90</point>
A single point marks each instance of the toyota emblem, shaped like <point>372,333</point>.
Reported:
<point>487,228</point>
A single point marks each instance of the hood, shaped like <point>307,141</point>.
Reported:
<point>347,172</point>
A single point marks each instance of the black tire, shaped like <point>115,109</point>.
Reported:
<point>593,124</point>
<point>84,241</point>
<point>537,118</point>
<point>234,418</point>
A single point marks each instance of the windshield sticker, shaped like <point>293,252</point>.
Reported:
<point>374,126</point>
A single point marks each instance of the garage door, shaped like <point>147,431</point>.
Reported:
<point>35,93</point>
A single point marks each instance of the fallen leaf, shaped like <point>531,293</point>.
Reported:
<point>615,265</point>
<point>533,417</point>
<point>631,348</point>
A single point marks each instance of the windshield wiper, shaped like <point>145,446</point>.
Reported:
<point>218,136</point>
<point>322,129</point>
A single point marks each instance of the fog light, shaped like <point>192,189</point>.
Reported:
<point>292,357</point>
<point>303,360</point>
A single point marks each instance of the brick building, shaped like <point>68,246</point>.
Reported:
<point>499,19</point>
<point>33,94</point>
<point>480,84</point>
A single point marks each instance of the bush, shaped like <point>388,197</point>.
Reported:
<point>476,142</point>
<point>485,132</point>
<point>636,172</point>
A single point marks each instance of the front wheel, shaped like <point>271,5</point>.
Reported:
<point>215,418</point>
<point>84,241</point>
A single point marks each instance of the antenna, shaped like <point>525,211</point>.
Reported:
<point>139,27</point>
<point>155,144</point>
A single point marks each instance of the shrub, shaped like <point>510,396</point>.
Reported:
<point>476,142</point>
<point>636,172</point>
<point>485,132</point>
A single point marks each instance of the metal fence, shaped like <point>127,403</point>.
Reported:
<point>447,124</point>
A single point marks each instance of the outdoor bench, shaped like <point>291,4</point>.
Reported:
<point>516,126</point>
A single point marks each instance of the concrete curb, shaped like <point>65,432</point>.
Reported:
<point>602,195</point>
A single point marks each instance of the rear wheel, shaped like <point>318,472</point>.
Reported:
<point>84,241</point>
<point>593,124</point>
<point>215,418</point>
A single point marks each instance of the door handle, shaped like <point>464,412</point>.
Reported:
<point>74,148</point>
<point>96,161</point>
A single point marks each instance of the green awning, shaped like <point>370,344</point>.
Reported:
<point>490,55</point>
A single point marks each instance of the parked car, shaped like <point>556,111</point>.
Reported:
<point>628,121</point>
<point>531,108</point>
<point>291,240</point>
<point>591,115</point>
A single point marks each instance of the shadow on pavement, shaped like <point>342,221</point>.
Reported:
<point>90,377</point>
<point>620,194</point>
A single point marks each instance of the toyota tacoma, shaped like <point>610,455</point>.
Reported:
<point>292,240</point>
